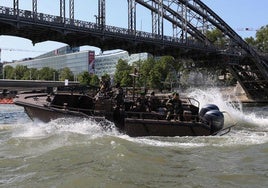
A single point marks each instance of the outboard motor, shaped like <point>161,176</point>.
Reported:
<point>215,119</point>
<point>207,108</point>
<point>211,115</point>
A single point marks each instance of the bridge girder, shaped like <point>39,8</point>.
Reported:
<point>62,10</point>
<point>34,2</point>
<point>158,18</point>
<point>71,9</point>
<point>178,20</point>
<point>16,7</point>
<point>132,16</point>
<point>101,13</point>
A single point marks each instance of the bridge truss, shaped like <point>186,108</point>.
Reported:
<point>190,19</point>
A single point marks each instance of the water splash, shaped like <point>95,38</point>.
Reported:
<point>235,110</point>
<point>89,127</point>
<point>36,138</point>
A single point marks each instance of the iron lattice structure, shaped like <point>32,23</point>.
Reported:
<point>190,20</point>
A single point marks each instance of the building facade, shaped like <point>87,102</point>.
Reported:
<point>80,61</point>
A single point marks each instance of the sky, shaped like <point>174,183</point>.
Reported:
<point>238,14</point>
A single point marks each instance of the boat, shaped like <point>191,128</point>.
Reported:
<point>194,122</point>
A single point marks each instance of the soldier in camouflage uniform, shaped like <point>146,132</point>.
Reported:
<point>174,107</point>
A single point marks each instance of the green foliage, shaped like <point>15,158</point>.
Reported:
<point>30,74</point>
<point>95,81</point>
<point>88,79</point>
<point>144,69</point>
<point>126,80</point>
<point>155,73</point>
<point>167,73</point>
<point>251,41</point>
<point>23,73</point>
<point>66,73</point>
<point>47,73</point>
<point>9,72</point>
<point>84,78</point>
<point>19,72</point>
<point>216,37</point>
<point>155,77</point>
<point>122,73</point>
<point>261,39</point>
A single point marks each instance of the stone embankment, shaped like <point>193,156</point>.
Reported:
<point>237,94</point>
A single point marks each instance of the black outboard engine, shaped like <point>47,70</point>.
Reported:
<point>211,115</point>
<point>207,108</point>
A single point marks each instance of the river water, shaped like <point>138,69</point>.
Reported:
<point>72,153</point>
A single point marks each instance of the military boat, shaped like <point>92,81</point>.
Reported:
<point>208,120</point>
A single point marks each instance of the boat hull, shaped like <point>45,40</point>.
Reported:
<point>47,114</point>
<point>143,127</point>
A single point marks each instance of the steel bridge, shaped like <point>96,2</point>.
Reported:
<point>190,20</point>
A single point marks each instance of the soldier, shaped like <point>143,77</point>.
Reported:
<point>142,103</point>
<point>153,102</point>
<point>119,95</point>
<point>174,107</point>
<point>105,90</point>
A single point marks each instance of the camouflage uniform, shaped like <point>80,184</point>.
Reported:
<point>174,107</point>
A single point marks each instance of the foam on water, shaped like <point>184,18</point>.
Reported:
<point>35,138</point>
<point>37,129</point>
<point>233,139</point>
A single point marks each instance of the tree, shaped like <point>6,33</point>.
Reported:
<point>251,41</point>
<point>66,73</point>
<point>8,72</point>
<point>162,72</point>
<point>33,73</point>
<point>144,70</point>
<point>155,78</point>
<point>88,79</point>
<point>122,73</point>
<point>47,73</point>
<point>261,40</point>
<point>30,74</point>
<point>84,78</point>
<point>126,80</point>
<point>216,37</point>
<point>95,81</point>
<point>19,72</point>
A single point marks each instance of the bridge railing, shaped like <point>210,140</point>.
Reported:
<point>53,20</point>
